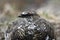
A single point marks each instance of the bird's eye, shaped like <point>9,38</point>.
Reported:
<point>24,13</point>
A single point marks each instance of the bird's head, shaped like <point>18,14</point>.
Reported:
<point>27,13</point>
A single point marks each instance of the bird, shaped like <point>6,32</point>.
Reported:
<point>33,27</point>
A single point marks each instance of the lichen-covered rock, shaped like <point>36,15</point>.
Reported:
<point>30,26</point>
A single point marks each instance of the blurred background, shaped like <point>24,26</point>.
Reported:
<point>47,9</point>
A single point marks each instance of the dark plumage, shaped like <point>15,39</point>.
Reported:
<point>33,28</point>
